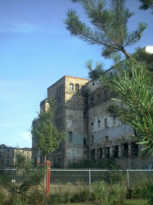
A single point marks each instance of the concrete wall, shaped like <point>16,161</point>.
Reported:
<point>91,131</point>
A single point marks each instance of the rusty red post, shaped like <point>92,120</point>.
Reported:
<point>48,174</point>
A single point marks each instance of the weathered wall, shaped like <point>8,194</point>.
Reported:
<point>91,131</point>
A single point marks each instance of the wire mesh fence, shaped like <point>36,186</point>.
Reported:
<point>88,176</point>
<point>92,176</point>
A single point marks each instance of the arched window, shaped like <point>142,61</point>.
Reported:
<point>77,87</point>
<point>71,87</point>
<point>99,123</point>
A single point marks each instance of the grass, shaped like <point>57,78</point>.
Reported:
<point>128,202</point>
<point>136,202</point>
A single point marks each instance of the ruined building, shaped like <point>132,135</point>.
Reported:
<point>91,131</point>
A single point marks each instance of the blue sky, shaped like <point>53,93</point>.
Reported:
<point>35,51</point>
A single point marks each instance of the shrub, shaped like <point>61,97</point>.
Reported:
<point>2,198</point>
<point>109,194</point>
<point>36,197</point>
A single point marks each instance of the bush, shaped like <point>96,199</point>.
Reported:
<point>149,195</point>
<point>109,194</point>
<point>36,197</point>
<point>141,190</point>
<point>2,198</point>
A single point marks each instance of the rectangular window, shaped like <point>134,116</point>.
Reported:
<point>125,149</point>
<point>134,149</point>
<point>70,137</point>
<point>105,123</point>
<point>93,154</point>
<point>116,151</point>
<point>100,153</point>
<point>107,152</point>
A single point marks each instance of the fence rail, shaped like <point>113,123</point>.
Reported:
<point>91,176</point>
<point>88,177</point>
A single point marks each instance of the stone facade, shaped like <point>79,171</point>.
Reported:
<point>91,131</point>
<point>8,155</point>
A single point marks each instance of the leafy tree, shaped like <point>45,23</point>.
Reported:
<point>109,26</point>
<point>44,131</point>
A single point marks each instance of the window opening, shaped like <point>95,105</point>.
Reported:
<point>84,141</point>
<point>71,86</point>
<point>106,138</point>
<point>99,123</point>
<point>93,154</point>
<point>116,151</point>
<point>125,149</point>
<point>105,123</point>
<point>107,152</point>
<point>100,153</point>
<point>77,87</point>
<point>70,137</point>
<point>134,149</point>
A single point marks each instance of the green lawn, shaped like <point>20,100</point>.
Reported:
<point>128,202</point>
<point>136,202</point>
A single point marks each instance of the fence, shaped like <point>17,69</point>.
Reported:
<point>91,176</point>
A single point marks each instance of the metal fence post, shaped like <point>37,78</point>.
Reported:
<point>128,178</point>
<point>89,179</point>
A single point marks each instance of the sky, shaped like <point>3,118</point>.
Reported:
<point>36,50</point>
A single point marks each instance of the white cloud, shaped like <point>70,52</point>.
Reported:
<point>149,49</point>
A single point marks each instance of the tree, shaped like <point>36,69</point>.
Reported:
<point>96,72</point>
<point>44,131</point>
<point>134,88</point>
<point>132,82</point>
<point>109,26</point>
<point>146,4</point>
<point>141,56</point>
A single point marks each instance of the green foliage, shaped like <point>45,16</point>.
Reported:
<point>45,132</point>
<point>133,85</point>
<point>114,110</point>
<point>109,195</point>
<point>95,73</point>
<point>2,197</point>
<point>146,59</point>
<point>24,179</point>
<point>109,26</point>
<point>20,161</point>
<point>146,4</point>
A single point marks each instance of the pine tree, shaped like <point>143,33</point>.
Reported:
<point>109,26</point>
<point>146,4</point>
<point>134,88</point>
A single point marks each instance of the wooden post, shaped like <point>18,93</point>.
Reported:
<point>48,174</point>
